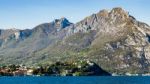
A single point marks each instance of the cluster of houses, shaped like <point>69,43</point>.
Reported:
<point>80,68</point>
<point>15,70</point>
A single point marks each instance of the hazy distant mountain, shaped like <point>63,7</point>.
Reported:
<point>113,39</point>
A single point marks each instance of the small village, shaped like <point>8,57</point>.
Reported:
<point>81,68</point>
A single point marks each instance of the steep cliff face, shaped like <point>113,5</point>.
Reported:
<point>120,44</point>
<point>123,43</point>
<point>112,38</point>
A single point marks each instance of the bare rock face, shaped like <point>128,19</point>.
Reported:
<point>119,42</point>
<point>61,23</point>
<point>113,39</point>
<point>129,43</point>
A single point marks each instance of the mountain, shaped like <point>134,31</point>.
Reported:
<point>113,39</point>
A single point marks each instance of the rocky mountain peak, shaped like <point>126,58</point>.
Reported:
<point>119,11</point>
<point>119,14</point>
<point>115,12</point>
<point>103,19</point>
<point>103,13</point>
<point>61,23</point>
<point>111,38</point>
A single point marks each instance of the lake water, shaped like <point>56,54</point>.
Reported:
<point>75,80</point>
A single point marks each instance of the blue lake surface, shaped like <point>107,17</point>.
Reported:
<point>76,80</point>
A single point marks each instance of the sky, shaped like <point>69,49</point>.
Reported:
<point>23,14</point>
